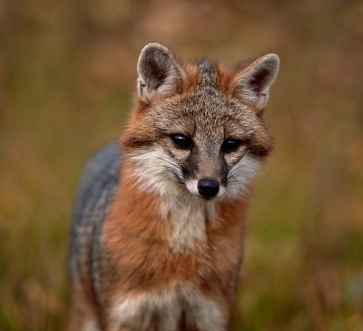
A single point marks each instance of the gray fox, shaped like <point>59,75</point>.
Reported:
<point>159,216</point>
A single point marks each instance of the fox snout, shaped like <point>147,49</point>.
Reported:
<point>207,176</point>
<point>208,187</point>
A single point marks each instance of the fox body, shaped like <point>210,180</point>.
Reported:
<point>158,228</point>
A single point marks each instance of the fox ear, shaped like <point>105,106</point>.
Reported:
<point>159,72</point>
<point>253,84</point>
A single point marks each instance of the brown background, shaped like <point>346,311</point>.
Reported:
<point>67,75</point>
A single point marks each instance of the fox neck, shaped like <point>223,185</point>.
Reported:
<point>189,216</point>
<point>162,210</point>
<point>151,204</point>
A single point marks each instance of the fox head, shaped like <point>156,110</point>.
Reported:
<point>198,129</point>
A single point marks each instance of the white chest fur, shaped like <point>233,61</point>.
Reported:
<point>155,173</point>
<point>167,310</point>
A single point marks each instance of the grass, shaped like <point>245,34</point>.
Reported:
<point>67,75</point>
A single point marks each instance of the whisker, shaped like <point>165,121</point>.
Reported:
<point>265,171</point>
<point>179,200</point>
<point>167,160</point>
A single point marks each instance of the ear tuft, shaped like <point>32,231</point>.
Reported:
<point>253,84</point>
<point>159,72</point>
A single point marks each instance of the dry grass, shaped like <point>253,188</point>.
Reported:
<point>67,71</point>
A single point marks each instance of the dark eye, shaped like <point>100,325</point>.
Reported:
<point>230,145</point>
<point>181,141</point>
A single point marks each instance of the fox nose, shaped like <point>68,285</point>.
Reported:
<point>208,187</point>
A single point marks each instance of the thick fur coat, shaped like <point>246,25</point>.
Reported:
<point>159,221</point>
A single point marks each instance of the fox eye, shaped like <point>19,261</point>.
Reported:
<point>230,145</point>
<point>181,141</point>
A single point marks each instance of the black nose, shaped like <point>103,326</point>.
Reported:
<point>208,187</point>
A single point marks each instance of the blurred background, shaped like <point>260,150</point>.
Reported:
<point>67,78</point>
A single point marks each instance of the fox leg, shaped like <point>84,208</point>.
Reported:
<point>82,317</point>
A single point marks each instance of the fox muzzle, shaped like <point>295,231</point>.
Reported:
<point>208,187</point>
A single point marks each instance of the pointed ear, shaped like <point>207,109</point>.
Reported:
<point>253,84</point>
<point>159,72</point>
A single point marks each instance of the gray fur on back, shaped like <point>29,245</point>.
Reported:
<point>95,191</point>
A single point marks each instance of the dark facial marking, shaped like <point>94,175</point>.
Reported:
<point>190,167</point>
<point>224,170</point>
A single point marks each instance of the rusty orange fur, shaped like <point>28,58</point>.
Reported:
<point>158,245</point>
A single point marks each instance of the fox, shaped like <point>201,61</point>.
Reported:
<point>158,228</point>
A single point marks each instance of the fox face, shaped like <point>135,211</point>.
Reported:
<point>198,129</point>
